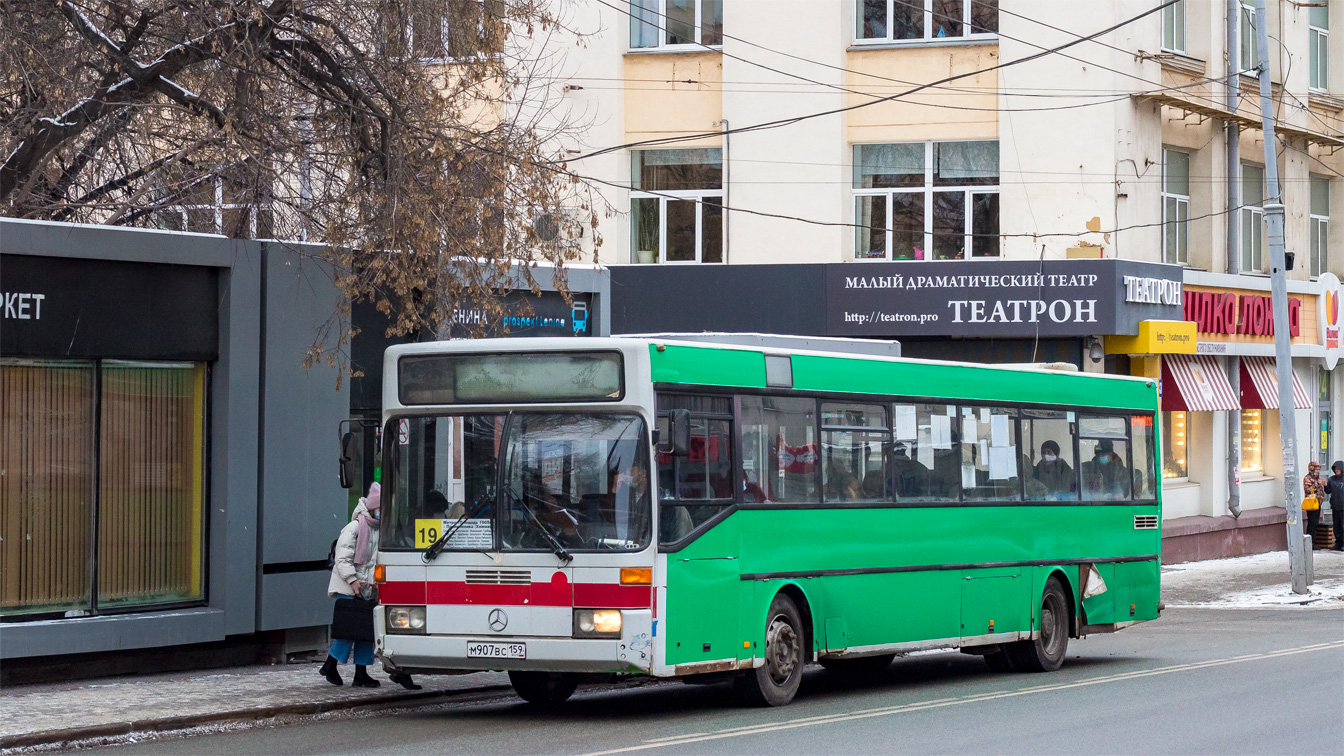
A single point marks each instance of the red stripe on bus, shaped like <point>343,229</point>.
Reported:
<point>596,595</point>
<point>603,595</point>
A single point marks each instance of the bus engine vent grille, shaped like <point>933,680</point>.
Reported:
<point>499,577</point>
<point>1145,522</point>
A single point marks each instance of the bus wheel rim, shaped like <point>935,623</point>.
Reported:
<point>781,642</point>
<point>1049,627</point>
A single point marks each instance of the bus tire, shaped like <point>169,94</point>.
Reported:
<point>543,688</point>
<point>860,666</point>
<point>1045,652</point>
<point>775,683</point>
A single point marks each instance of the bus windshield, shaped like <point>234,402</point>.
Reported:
<point>526,481</point>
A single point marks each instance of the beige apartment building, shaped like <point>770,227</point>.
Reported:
<point>833,135</point>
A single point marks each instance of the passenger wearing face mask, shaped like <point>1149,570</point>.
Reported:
<point>1105,476</point>
<point>1054,473</point>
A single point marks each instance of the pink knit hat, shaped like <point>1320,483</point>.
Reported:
<point>374,500</point>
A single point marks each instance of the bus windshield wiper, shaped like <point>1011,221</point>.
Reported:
<point>434,549</point>
<point>558,548</point>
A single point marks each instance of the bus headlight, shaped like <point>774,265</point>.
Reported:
<point>406,619</point>
<point>597,623</point>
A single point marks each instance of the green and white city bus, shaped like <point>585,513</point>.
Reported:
<point>574,510</point>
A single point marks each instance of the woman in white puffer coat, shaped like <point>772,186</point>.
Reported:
<point>352,586</point>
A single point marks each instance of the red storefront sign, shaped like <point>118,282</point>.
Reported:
<point>1230,313</point>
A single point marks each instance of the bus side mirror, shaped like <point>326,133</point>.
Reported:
<point>674,433</point>
<point>347,459</point>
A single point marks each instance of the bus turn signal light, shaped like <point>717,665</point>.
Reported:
<point>636,576</point>
<point>379,573</point>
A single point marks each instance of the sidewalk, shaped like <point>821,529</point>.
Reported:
<point>1251,582</point>
<point>54,713</point>
<point>49,714</point>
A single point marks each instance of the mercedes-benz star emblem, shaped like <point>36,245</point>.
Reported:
<point>498,620</point>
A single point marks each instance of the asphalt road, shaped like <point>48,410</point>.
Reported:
<point>1195,681</point>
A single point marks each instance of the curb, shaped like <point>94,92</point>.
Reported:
<point>170,724</point>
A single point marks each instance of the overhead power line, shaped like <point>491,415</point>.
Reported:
<point>836,111</point>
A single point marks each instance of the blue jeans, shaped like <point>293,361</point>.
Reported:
<point>340,651</point>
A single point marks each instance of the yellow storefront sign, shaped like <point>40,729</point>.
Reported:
<point>1156,337</point>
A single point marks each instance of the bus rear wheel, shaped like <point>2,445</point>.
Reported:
<point>543,688</point>
<point>1045,653</point>
<point>775,683</point>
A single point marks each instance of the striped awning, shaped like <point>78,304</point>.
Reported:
<point>1260,385</point>
<point>1195,383</point>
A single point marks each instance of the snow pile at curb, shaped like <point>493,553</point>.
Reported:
<point>1258,581</point>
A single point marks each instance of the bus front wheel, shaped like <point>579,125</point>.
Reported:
<point>1045,652</point>
<point>543,688</point>
<point>775,683</point>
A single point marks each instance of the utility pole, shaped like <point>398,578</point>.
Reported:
<point>1278,280</point>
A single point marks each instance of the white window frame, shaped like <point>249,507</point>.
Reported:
<point>928,190</point>
<point>1319,51</point>
<point>666,195</point>
<point>218,207</point>
<point>662,45</point>
<point>1246,52</point>
<point>1252,257</point>
<point>663,197</point>
<point>1170,16</point>
<point>928,37</point>
<point>444,40</point>
<point>1181,255</point>
<point>1318,237</point>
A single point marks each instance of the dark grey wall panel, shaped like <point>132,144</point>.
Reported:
<point>303,505</point>
<point>781,299</point>
<point>295,599</point>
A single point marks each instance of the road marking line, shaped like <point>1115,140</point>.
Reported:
<point>941,702</point>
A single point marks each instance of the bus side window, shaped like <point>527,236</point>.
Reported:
<point>1050,472</point>
<point>694,488</point>
<point>854,445</point>
<point>925,452</point>
<point>990,458</point>
<point>1145,456</point>
<point>1104,442</point>
<point>780,459</point>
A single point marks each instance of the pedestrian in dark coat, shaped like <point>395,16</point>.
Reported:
<point>1335,489</point>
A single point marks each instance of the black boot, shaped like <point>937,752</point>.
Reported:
<point>330,672</point>
<point>404,680</point>
<point>362,679</point>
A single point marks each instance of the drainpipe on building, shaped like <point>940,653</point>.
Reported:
<point>726,166</point>
<point>1278,281</point>
<point>1233,137</point>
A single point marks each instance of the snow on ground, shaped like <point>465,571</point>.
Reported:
<point>1252,582</point>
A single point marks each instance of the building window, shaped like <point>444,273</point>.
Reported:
<point>103,507</point>
<point>1319,29</point>
<point>1320,225</point>
<point>1252,217</point>
<point>1175,207</point>
<point>1173,27</point>
<point>1175,426</point>
<point>1246,52</point>
<point>1252,455</point>
<point>470,27</point>
<point>213,205</point>
<point>692,24</point>
<point>926,201</point>
<point>879,21</point>
<point>676,205</point>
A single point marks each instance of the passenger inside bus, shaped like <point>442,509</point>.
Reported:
<point>910,478</point>
<point>1054,473</point>
<point>1105,477</point>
